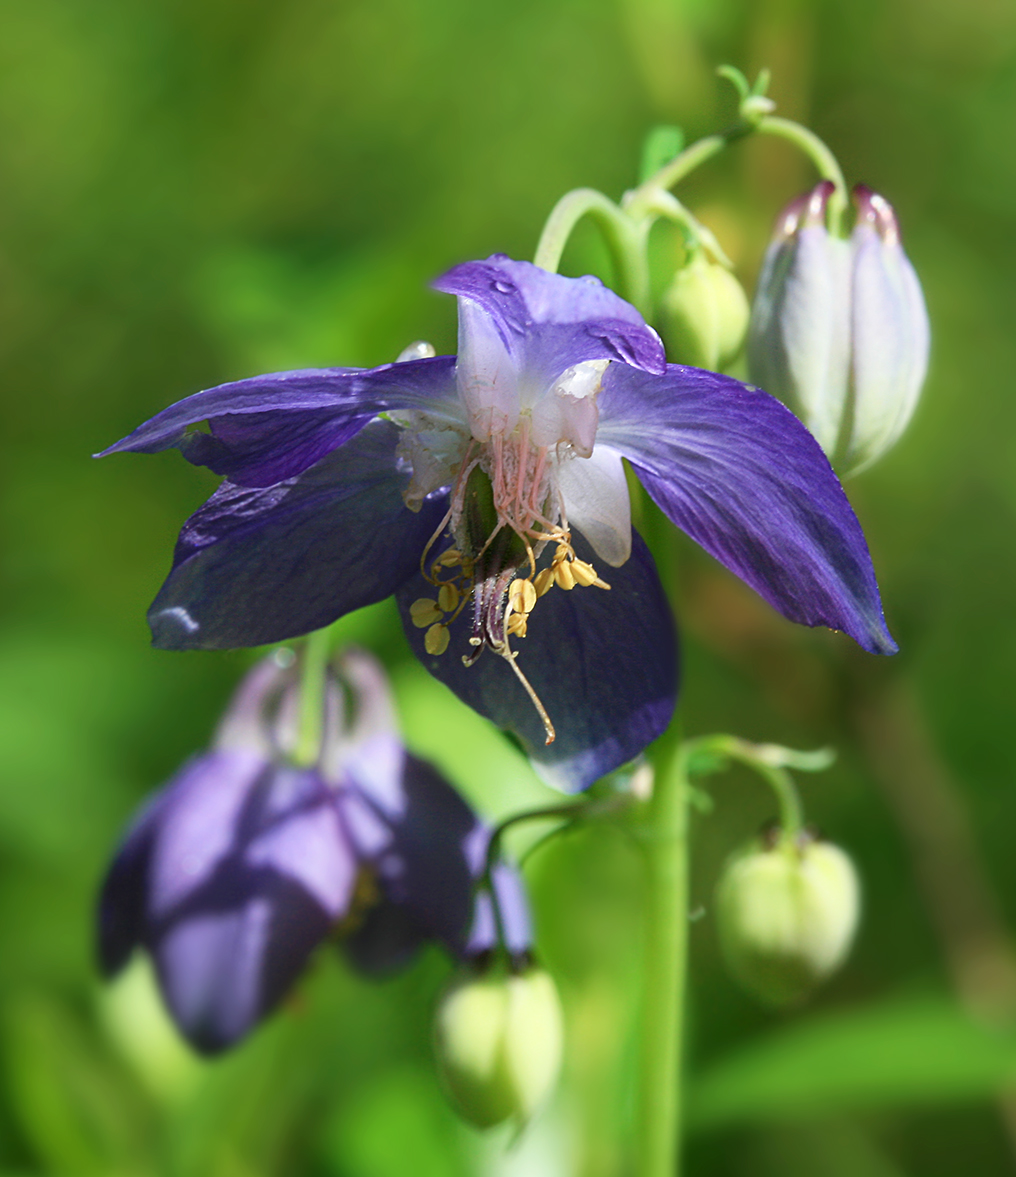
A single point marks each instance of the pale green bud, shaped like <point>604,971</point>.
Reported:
<point>787,915</point>
<point>498,1041</point>
<point>703,315</point>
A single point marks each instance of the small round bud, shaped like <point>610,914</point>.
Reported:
<point>498,1041</point>
<point>703,315</point>
<point>787,916</point>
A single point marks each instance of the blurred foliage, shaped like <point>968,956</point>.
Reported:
<point>192,192</point>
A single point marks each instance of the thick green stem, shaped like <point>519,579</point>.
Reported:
<point>820,155</point>
<point>625,239</point>
<point>312,691</point>
<point>672,173</point>
<point>666,951</point>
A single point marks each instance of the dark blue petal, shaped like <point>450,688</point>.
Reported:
<point>432,852</point>
<point>258,566</point>
<point>548,322</point>
<point>386,941</point>
<point>603,663</point>
<point>122,909</point>
<point>268,428</point>
<point>745,479</point>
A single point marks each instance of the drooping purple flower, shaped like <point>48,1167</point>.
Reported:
<point>493,483</point>
<point>245,862</point>
<point>839,330</point>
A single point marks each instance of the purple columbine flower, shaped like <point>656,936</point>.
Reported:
<point>236,870</point>
<point>493,482</point>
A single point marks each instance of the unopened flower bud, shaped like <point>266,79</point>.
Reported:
<point>498,1040</point>
<point>839,330</point>
<point>703,315</point>
<point>787,915</point>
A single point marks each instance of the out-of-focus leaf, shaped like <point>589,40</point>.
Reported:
<point>79,1113</point>
<point>395,1125</point>
<point>903,1053</point>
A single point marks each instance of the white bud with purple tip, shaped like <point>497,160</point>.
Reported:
<point>889,327</point>
<point>839,330</point>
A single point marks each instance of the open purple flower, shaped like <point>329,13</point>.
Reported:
<point>238,868</point>
<point>493,483</point>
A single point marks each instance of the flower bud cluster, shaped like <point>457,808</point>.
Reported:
<point>839,330</point>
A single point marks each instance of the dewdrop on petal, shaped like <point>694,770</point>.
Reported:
<point>703,315</point>
<point>787,914</point>
<point>498,1040</point>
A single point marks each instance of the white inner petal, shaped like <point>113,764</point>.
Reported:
<point>486,375</point>
<point>568,411</point>
<point>595,494</point>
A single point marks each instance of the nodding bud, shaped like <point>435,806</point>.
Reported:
<point>703,315</point>
<point>839,330</point>
<point>498,1040</point>
<point>787,914</point>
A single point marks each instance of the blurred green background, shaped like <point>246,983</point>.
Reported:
<point>195,191</point>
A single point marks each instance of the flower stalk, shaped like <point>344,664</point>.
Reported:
<point>665,845</point>
<point>313,665</point>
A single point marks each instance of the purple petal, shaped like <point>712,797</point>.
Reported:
<point>513,913</point>
<point>744,478</point>
<point>547,322</point>
<point>240,892</point>
<point>258,566</point>
<point>268,428</point>
<point>603,663</point>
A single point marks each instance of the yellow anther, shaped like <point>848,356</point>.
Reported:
<point>449,559</point>
<point>562,552</point>
<point>543,582</point>
<point>435,640</point>
<point>517,624</point>
<point>563,575</point>
<point>448,597</point>
<point>425,612</point>
<point>521,595</point>
<point>585,574</point>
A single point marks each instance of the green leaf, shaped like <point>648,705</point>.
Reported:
<point>906,1052</point>
<point>662,144</point>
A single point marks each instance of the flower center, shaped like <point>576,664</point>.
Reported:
<point>505,510</point>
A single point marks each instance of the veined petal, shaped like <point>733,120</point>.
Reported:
<point>604,663</point>
<point>799,338</point>
<point>595,493</point>
<point>487,376</point>
<point>741,475</point>
<point>544,323</point>
<point>268,428</point>
<point>890,345</point>
<point>256,566</point>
